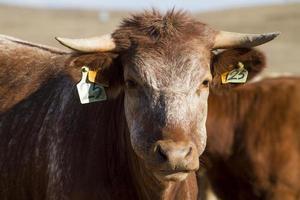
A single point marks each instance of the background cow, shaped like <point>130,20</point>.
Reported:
<point>253,140</point>
<point>142,143</point>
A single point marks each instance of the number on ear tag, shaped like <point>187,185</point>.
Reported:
<point>238,75</point>
<point>89,92</point>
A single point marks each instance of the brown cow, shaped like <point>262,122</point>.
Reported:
<point>253,144</point>
<point>142,143</point>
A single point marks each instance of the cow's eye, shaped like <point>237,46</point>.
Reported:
<point>130,84</point>
<point>205,83</point>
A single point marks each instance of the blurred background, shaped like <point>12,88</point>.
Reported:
<point>40,21</point>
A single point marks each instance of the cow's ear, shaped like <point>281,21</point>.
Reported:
<point>106,69</point>
<point>226,61</point>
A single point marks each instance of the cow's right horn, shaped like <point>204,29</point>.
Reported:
<point>225,40</point>
<point>95,44</point>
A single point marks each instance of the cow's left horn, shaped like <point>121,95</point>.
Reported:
<point>95,44</point>
<point>225,40</point>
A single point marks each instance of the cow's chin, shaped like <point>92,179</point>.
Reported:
<point>171,175</point>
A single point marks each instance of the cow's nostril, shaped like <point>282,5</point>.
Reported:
<point>189,152</point>
<point>161,153</point>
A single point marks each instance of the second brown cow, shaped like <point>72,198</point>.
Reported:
<point>253,149</point>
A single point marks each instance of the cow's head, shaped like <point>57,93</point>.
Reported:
<point>163,66</point>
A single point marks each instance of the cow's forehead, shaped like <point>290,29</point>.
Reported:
<point>170,66</point>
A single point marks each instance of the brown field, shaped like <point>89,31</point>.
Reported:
<point>41,26</point>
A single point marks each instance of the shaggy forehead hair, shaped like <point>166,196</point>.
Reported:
<point>152,27</point>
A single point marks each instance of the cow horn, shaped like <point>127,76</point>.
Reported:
<point>95,44</point>
<point>225,40</point>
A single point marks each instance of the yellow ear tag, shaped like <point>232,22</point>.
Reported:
<point>89,92</point>
<point>224,77</point>
<point>92,76</point>
<point>238,75</point>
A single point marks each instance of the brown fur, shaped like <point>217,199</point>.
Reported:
<point>152,27</point>
<point>253,141</point>
<point>24,75</point>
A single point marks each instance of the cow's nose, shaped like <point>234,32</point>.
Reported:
<point>173,152</point>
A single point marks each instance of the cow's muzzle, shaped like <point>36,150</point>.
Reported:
<point>174,160</point>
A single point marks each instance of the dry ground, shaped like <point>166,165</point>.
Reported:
<point>42,26</point>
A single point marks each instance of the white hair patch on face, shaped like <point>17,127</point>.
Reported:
<point>168,94</point>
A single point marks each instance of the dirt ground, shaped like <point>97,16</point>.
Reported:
<point>41,26</point>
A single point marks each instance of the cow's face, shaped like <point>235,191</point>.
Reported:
<point>166,91</point>
<point>163,67</point>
